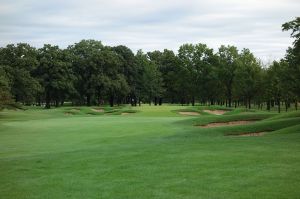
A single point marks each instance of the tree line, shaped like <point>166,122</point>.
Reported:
<point>89,73</point>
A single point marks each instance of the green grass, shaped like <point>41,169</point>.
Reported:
<point>153,152</point>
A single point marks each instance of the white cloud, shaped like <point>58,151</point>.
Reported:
<point>151,24</point>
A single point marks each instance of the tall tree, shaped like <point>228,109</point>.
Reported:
<point>275,83</point>
<point>293,58</point>
<point>55,74</point>
<point>186,55</point>
<point>5,96</point>
<point>117,86</point>
<point>20,61</point>
<point>150,82</point>
<point>204,62</point>
<point>247,79</point>
<point>86,56</point>
<point>129,71</point>
<point>228,62</point>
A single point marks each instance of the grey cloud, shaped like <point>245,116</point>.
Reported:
<point>151,24</point>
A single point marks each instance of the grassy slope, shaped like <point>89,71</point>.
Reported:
<point>154,153</point>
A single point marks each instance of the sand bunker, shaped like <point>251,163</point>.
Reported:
<point>100,110</point>
<point>125,113</point>
<point>215,112</point>
<point>188,113</point>
<point>233,123</point>
<point>248,134</point>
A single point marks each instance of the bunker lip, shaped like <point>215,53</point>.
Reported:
<point>231,123</point>
<point>99,110</point>
<point>74,110</point>
<point>216,112</point>
<point>189,113</point>
<point>126,113</point>
<point>254,134</point>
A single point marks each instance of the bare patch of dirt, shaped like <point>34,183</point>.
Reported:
<point>188,113</point>
<point>215,112</point>
<point>100,110</point>
<point>248,134</point>
<point>69,113</point>
<point>233,123</point>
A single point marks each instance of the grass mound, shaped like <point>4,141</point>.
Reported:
<point>233,123</point>
<point>155,153</point>
<point>188,112</point>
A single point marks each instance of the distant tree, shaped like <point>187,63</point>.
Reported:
<point>129,71</point>
<point>117,86</point>
<point>247,79</point>
<point>170,70</point>
<point>91,73</point>
<point>86,57</point>
<point>5,95</point>
<point>20,61</point>
<point>150,82</point>
<point>275,83</point>
<point>288,84</point>
<point>293,58</point>
<point>55,74</point>
<point>294,26</point>
<point>204,63</point>
<point>186,55</point>
<point>169,66</point>
<point>228,63</point>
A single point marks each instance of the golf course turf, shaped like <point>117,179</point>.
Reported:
<point>149,152</point>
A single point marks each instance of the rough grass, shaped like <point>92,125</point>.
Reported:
<point>154,153</point>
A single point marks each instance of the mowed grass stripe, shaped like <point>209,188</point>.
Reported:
<point>155,153</point>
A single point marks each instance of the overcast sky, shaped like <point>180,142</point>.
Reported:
<point>151,24</point>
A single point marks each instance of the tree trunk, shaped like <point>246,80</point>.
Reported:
<point>48,100</point>
<point>272,103</point>
<point>278,105</point>
<point>249,103</point>
<point>193,101</point>
<point>268,105</point>
<point>229,97</point>
<point>160,101</point>
<point>155,101</point>
<point>111,100</point>
<point>135,100</point>
<point>88,100</point>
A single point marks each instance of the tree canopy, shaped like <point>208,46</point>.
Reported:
<point>91,73</point>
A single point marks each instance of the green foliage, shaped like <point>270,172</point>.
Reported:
<point>150,80</point>
<point>293,57</point>
<point>247,79</point>
<point>19,63</point>
<point>5,95</point>
<point>93,74</point>
<point>228,63</point>
<point>55,74</point>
